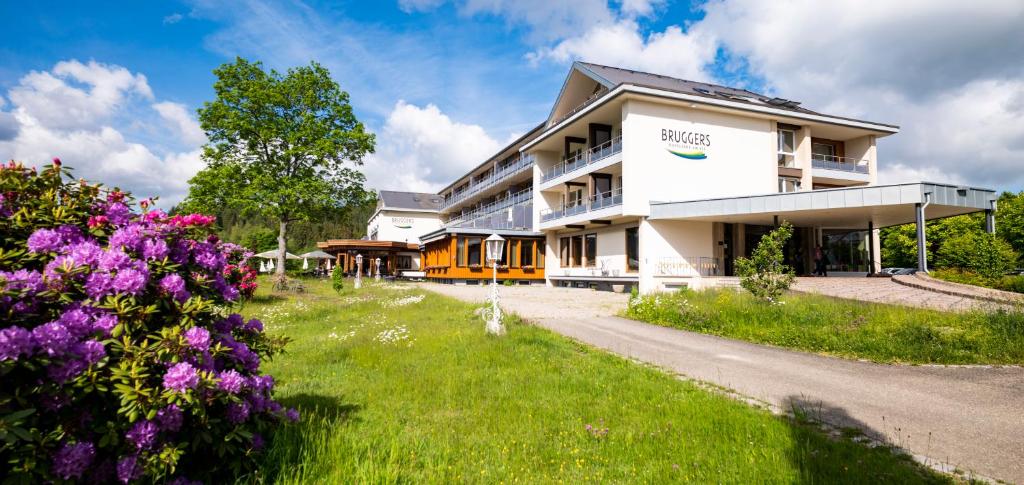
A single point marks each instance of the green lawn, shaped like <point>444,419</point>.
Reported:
<point>405,386</point>
<point>882,333</point>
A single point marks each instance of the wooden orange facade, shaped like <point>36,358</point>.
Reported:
<point>345,251</point>
<point>461,257</point>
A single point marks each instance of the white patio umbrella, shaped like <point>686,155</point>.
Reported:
<point>305,264</point>
<point>263,267</point>
<point>270,265</point>
<point>272,255</point>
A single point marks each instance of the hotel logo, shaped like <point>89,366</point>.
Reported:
<point>402,222</point>
<point>690,145</point>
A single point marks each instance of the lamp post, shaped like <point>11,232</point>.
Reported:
<point>495,247</point>
<point>359,271</point>
<point>376,276</point>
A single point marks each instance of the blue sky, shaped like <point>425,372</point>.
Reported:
<point>445,83</point>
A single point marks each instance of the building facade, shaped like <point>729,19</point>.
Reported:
<point>647,181</point>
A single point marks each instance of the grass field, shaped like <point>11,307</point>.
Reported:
<point>405,386</point>
<point>882,333</point>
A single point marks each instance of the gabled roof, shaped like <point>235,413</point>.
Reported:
<point>417,201</point>
<point>610,77</point>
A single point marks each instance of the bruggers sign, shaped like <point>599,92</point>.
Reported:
<point>690,145</point>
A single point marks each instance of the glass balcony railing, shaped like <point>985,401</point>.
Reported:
<point>522,197</point>
<point>843,164</point>
<point>593,203</point>
<point>575,162</point>
<point>500,175</point>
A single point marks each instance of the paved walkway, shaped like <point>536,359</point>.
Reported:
<point>884,290</point>
<point>968,417</point>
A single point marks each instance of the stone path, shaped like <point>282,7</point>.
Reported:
<point>949,416</point>
<point>884,290</point>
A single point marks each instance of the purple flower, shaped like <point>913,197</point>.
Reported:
<point>257,442</point>
<point>128,469</point>
<point>262,383</point>
<point>77,321</point>
<point>91,351</point>
<point>231,381</point>
<point>170,418</point>
<point>15,342</point>
<point>72,459</point>
<point>52,338</point>
<point>238,412</point>
<point>142,434</point>
<point>98,285</point>
<point>254,326</point>
<point>229,293</point>
<point>249,360</point>
<point>86,252</point>
<point>184,481</point>
<point>44,241</point>
<point>181,377</point>
<point>174,285</point>
<point>66,371</point>
<point>56,269</point>
<point>292,415</point>
<point>131,281</point>
<point>206,255</point>
<point>128,237</point>
<point>105,323</point>
<point>118,213</point>
<point>29,282</point>
<point>198,338</point>
<point>114,259</point>
<point>155,249</point>
<point>179,252</point>
<point>231,322</point>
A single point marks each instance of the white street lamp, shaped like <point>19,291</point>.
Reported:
<point>377,275</point>
<point>359,271</point>
<point>495,248</point>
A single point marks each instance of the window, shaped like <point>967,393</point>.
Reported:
<point>526,250</point>
<point>787,147</point>
<point>590,248</point>
<point>574,197</point>
<point>460,252</point>
<point>540,254</point>
<point>787,184</point>
<point>602,185</point>
<point>514,252</point>
<point>503,260</point>
<point>823,151</point>
<point>473,251</point>
<point>632,249</point>
<point>404,262</point>
<point>577,251</point>
<point>563,250</point>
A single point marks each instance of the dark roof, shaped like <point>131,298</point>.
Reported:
<point>614,76</point>
<point>393,199</point>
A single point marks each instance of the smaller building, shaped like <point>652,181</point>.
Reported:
<point>457,255</point>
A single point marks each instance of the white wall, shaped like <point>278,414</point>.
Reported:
<point>672,239</point>
<point>403,226</point>
<point>611,253</point>
<point>740,156</point>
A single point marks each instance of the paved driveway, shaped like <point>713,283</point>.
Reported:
<point>968,417</point>
<point>884,290</point>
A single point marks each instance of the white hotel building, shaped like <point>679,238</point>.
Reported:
<point>656,182</point>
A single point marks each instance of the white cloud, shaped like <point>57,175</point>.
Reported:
<point>173,18</point>
<point>672,52</point>
<point>178,117</point>
<point>641,8</point>
<point>68,112</point>
<point>422,149</point>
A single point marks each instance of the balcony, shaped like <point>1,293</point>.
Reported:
<point>593,203</point>
<point>474,217</point>
<point>517,167</point>
<point>687,267</point>
<point>842,164</point>
<point>579,161</point>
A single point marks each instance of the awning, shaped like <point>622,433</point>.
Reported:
<point>318,254</point>
<point>273,255</point>
<point>843,208</point>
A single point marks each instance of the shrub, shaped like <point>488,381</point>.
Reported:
<point>978,252</point>
<point>119,357</point>
<point>338,279</point>
<point>763,274</point>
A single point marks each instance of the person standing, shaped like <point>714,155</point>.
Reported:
<point>819,261</point>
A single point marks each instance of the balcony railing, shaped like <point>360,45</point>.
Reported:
<point>688,266</point>
<point>518,198</point>
<point>523,162</point>
<point>593,203</point>
<point>575,162</point>
<point>844,164</point>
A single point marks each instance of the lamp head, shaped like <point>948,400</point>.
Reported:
<point>495,246</point>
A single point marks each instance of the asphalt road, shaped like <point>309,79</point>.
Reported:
<point>968,417</point>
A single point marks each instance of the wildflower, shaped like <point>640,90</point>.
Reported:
<point>114,259</point>
<point>130,281</point>
<point>52,338</point>
<point>231,381</point>
<point>105,324</point>
<point>181,377</point>
<point>72,459</point>
<point>14,343</point>
<point>142,434</point>
<point>128,237</point>
<point>118,214</point>
<point>198,338</point>
<point>174,285</point>
<point>155,249</point>
<point>44,241</point>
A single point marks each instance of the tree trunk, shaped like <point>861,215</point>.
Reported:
<point>282,247</point>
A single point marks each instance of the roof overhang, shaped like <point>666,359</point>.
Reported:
<point>477,231</point>
<point>846,208</point>
<point>622,89</point>
<point>338,245</point>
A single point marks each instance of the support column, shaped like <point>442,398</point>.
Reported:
<point>990,221</point>
<point>871,247</point>
<point>922,253</point>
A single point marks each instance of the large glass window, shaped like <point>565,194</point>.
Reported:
<point>788,184</point>
<point>564,251</point>
<point>460,251</point>
<point>632,249</point>
<point>540,254</point>
<point>473,251</point>
<point>526,250</point>
<point>845,251</point>
<point>590,245</point>
<point>823,151</point>
<point>514,252</point>
<point>787,147</point>
<point>577,251</point>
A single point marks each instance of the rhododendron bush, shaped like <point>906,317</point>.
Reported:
<point>119,357</point>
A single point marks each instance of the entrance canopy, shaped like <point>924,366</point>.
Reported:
<point>843,208</point>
